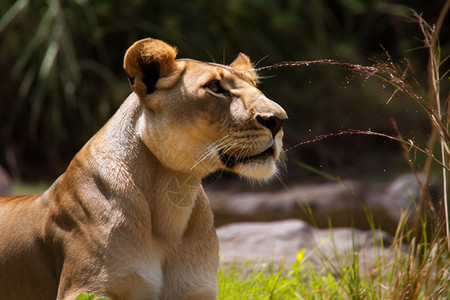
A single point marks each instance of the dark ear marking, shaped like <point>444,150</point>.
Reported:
<point>150,76</point>
<point>145,62</point>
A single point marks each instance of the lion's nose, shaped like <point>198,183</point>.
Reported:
<point>273,123</point>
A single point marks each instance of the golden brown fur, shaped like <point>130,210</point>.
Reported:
<point>129,218</point>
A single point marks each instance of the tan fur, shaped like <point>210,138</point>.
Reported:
<point>129,218</point>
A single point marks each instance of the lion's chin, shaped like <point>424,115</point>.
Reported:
<point>262,169</point>
<point>231,161</point>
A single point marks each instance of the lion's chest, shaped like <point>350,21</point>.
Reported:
<point>149,267</point>
<point>168,224</point>
<point>150,280</point>
<point>146,249</point>
<point>171,213</point>
<point>171,225</point>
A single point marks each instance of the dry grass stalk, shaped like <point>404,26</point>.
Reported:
<point>401,76</point>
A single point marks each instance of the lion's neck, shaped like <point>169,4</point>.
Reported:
<point>182,189</point>
<point>130,171</point>
<point>172,205</point>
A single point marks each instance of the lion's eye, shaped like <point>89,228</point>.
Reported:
<point>215,87</point>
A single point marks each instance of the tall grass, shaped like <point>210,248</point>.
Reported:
<point>402,77</point>
<point>428,99</point>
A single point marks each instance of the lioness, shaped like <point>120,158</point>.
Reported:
<point>129,218</point>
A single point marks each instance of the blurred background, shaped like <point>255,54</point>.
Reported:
<point>62,77</point>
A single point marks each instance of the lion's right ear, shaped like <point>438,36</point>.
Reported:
<point>145,62</point>
<point>243,63</point>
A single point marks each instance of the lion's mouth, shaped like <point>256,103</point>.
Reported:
<point>230,161</point>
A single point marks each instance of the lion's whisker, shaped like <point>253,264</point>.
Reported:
<point>214,148</point>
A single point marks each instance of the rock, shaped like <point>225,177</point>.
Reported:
<point>324,200</point>
<point>343,204</point>
<point>401,195</point>
<point>265,242</point>
<point>5,183</point>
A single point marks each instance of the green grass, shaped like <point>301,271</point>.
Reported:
<point>407,277</point>
<point>29,188</point>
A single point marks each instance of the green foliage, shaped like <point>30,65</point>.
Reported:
<point>47,102</point>
<point>90,296</point>
<point>64,77</point>
<point>408,277</point>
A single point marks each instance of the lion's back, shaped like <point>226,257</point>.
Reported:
<point>22,255</point>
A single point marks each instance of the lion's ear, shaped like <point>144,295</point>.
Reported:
<point>243,63</point>
<point>146,61</point>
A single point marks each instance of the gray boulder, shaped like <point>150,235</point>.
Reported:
<point>265,242</point>
<point>343,204</point>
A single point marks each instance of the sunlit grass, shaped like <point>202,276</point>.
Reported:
<point>407,277</point>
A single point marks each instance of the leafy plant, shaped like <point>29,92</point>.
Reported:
<point>89,296</point>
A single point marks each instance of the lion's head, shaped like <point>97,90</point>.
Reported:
<point>201,117</point>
